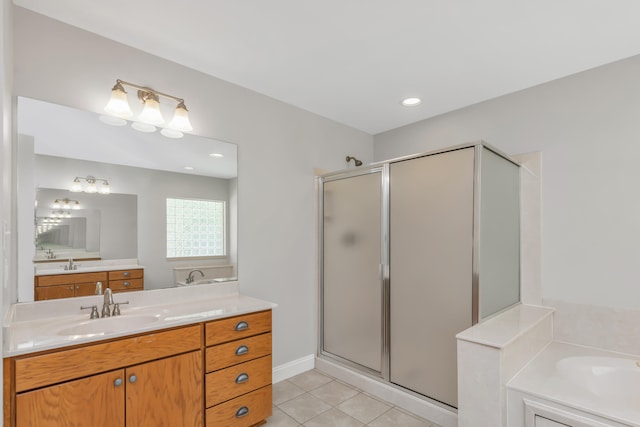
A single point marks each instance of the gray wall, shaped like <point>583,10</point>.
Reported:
<point>278,148</point>
<point>587,127</point>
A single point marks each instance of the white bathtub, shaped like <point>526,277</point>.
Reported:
<point>593,384</point>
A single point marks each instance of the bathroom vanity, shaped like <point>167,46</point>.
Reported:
<point>202,360</point>
<point>66,284</point>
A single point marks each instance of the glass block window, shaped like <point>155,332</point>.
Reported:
<point>195,228</point>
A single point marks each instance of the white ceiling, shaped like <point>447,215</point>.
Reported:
<point>354,60</point>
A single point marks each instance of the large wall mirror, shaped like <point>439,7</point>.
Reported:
<point>148,175</point>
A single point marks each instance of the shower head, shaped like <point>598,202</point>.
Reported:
<point>355,161</point>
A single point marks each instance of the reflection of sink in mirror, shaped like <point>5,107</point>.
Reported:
<point>207,281</point>
<point>107,325</point>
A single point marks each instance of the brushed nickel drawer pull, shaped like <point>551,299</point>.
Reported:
<point>242,326</point>
<point>117,382</point>
<point>242,412</point>
<point>126,274</point>
<point>242,378</point>
<point>133,379</point>
<point>242,350</point>
<point>125,283</point>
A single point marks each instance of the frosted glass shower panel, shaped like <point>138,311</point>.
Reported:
<point>499,234</point>
<point>352,284</point>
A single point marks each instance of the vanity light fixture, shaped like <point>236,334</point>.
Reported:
<point>411,102</point>
<point>151,116</point>
<point>66,204</point>
<point>91,186</point>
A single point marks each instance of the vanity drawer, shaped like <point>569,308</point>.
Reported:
<point>63,279</point>
<point>126,274</point>
<point>234,352</point>
<point>237,327</point>
<point>126,285</point>
<point>243,411</point>
<point>64,365</point>
<point>240,379</point>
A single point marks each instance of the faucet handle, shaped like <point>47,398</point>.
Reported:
<point>116,308</point>
<point>94,311</point>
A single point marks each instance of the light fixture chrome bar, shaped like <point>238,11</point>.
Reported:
<point>147,90</point>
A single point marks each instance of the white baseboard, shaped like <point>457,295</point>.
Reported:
<point>293,368</point>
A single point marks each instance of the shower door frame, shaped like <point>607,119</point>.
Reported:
<point>383,170</point>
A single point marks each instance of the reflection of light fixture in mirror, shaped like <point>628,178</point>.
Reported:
<point>151,115</point>
<point>61,214</point>
<point>66,203</point>
<point>216,155</point>
<point>91,186</point>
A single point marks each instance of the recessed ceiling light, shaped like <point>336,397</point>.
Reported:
<point>411,102</point>
<point>189,168</point>
<point>216,155</point>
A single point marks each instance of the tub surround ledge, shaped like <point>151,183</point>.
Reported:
<point>490,354</point>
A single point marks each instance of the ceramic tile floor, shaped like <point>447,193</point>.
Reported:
<point>313,399</point>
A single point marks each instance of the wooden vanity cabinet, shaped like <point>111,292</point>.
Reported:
<point>238,370</point>
<point>67,285</point>
<point>153,379</point>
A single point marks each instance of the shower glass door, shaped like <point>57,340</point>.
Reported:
<point>352,269</point>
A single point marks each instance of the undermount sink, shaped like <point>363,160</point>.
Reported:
<point>108,325</point>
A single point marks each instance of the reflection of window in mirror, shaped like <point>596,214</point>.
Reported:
<point>195,228</point>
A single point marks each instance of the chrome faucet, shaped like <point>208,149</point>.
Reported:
<point>108,302</point>
<point>190,276</point>
<point>71,265</point>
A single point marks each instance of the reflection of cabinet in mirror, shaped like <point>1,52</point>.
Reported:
<point>56,286</point>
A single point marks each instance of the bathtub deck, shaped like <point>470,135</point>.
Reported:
<point>587,392</point>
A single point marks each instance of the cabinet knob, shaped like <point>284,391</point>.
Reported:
<point>133,379</point>
<point>70,288</point>
<point>77,287</point>
<point>126,274</point>
<point>117,382</point>
<point>242,412</point>
<point>242,378</point>
<point>125,283</point>
<point>243,349</point>
<point>241,326</point>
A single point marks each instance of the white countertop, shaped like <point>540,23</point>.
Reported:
<point>37,326</point>
<point>543,378</point>
<point>504,328</point>
<point>49,268</point>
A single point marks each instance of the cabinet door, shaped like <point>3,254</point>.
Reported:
<point>96,401</point>
<point>167,392</point>
<point>54,292</point>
